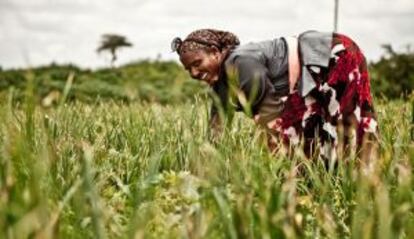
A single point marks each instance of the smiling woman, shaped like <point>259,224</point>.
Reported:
<point>295,87</point>
<point>202,65</point>
<point>203,51</point>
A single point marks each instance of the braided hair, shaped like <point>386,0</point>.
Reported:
<point>204,39</point>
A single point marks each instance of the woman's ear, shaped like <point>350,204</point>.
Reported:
<point>216,52</point>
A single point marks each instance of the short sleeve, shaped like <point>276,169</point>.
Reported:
<point>252,76</point>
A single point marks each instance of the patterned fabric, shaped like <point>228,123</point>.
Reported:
<point>203,39</point>
<point>315,49</point>
<point>342,95</point>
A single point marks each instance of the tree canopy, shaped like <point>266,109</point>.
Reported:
<point>111,43</point>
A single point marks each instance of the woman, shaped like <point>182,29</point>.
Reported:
<point>294,87</point>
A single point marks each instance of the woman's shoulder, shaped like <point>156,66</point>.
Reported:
<point>261,51</point>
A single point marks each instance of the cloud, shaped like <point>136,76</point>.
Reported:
<point>69,31</point>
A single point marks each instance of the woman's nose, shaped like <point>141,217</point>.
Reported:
<point>194,72</point>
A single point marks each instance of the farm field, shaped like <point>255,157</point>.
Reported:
<point>144,170</point>
<point>109,112</point>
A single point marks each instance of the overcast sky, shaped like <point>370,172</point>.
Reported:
<point>35,32</point>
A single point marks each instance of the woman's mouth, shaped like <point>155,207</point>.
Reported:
<point>203,77</point>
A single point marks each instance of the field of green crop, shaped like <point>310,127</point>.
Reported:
<point>112,170</point>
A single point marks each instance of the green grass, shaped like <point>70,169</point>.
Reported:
<point>108,170</point>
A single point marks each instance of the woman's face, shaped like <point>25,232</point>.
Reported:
<point>202,65</point>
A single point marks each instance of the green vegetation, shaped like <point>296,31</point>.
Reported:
<point>393,74</point>
<point>111,170</point>
<point>149,81</point>
<point>124,153</point>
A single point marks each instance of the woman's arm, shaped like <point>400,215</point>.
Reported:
<point>215,125</point>
<point>221,117</point>
<point>248,79</point>
<point>244,89</point>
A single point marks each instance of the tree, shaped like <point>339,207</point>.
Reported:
<point>393,75</point>
<point>111,43</point>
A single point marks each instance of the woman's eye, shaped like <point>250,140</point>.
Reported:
<point>197,63</point>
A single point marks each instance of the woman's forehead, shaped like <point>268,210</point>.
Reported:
<point>188,56</point>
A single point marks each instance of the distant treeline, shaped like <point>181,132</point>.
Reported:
<point>166,81</point>
<point>393,75</point>
<point>152,81</point>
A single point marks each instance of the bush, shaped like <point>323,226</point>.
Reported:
<point>163,82</point>
<point>393,75</point>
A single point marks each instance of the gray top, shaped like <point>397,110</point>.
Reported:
<point>260,69</point>
<point>314,50</point>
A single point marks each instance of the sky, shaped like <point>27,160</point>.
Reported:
<point>38,32</point>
